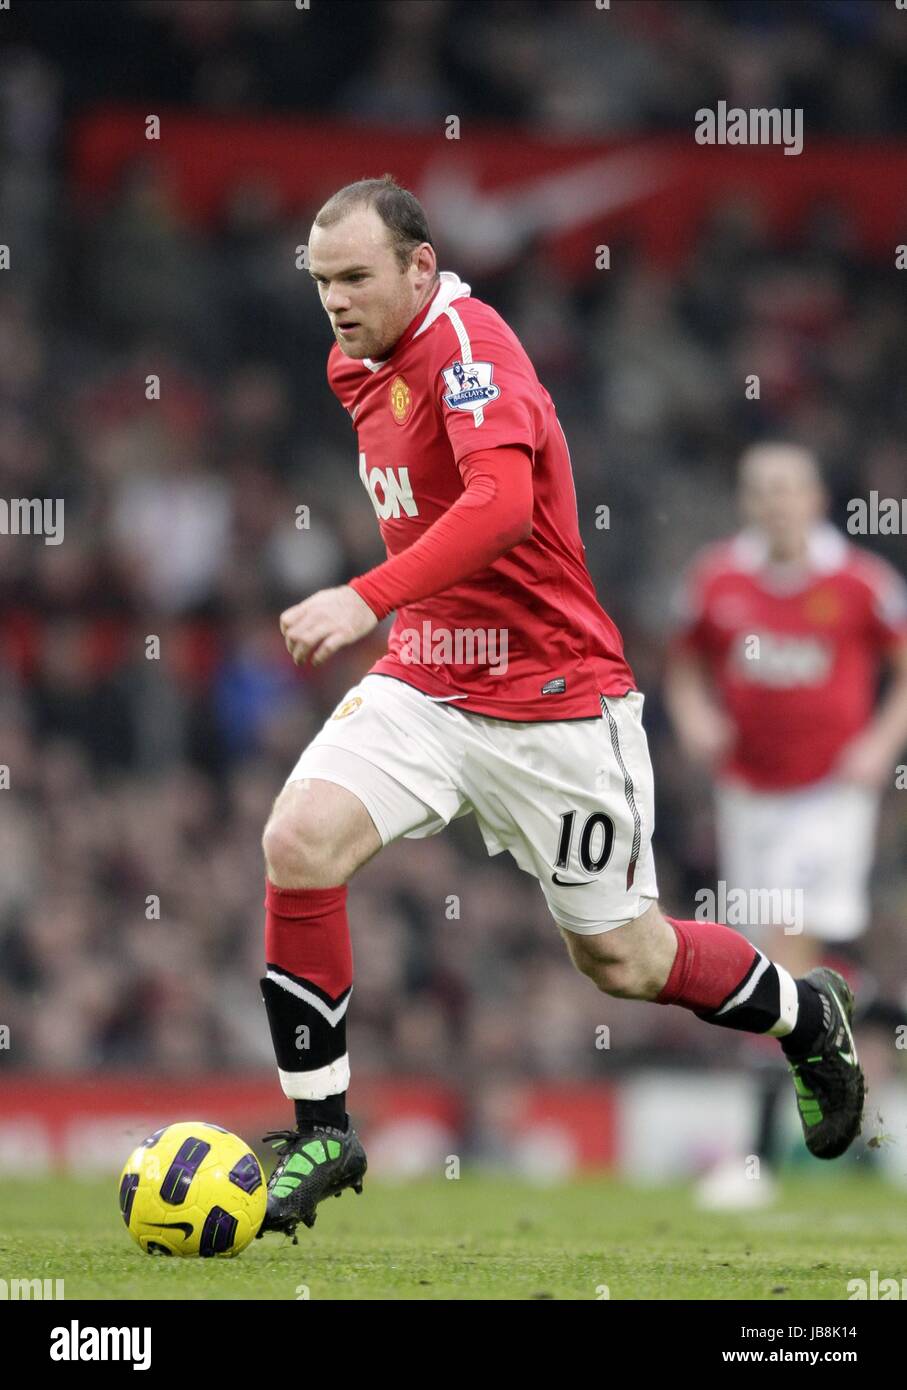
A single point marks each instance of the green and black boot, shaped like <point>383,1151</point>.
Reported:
<point>828,1079</point>
<point>316,1162</point>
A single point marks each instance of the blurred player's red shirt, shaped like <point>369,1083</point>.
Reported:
<point>796,662</point>
<point>459,382</point>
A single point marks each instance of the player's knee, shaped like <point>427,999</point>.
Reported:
<point>300,853</point>
<point>603,962</point>
<point>621,963</point>
<point>622,979</point>
<point>627,979</point>
<point>639,977</point>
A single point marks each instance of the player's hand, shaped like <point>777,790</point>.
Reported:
<point>708,739</point>
<point>319,626</point>
<point>867,761</point>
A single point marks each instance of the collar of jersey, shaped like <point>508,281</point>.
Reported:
<point>826,550</point>
<point>451,287</point>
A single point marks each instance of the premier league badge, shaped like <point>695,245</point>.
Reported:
<point>470,387</point>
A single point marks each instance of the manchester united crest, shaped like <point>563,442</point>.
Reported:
<point>347,708</point>
<point>822,607</point>
<point>401,400</point>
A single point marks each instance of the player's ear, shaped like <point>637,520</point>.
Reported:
<point>424,260</point>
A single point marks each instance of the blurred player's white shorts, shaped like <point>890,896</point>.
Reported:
<point>818,839</point>
<point>572,800</point>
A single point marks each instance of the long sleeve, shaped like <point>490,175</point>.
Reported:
<point>493,514</point>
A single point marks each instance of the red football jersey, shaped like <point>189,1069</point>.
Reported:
<point>525,638</point>
<point>795,655</point>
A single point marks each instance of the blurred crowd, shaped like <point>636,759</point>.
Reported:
<point>564,66</point>
<point>149,712</point>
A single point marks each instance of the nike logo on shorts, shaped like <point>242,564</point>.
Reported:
<point>568,883</point>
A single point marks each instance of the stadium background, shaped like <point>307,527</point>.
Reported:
<point>133,777</point>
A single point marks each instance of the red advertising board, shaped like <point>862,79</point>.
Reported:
<point>494,192</point>
<point>411,1126</point>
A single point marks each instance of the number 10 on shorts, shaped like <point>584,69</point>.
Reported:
<point>596,841</point>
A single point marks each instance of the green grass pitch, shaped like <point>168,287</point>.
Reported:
<point>479,1238</point>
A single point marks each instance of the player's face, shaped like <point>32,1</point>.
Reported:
<point>782,496</point>
<point>369,298</point>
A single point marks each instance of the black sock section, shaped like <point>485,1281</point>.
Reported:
<point>751,1008</point>
<point>304,1039</point>
<point>810,1021</point>
<point>330,1111</point>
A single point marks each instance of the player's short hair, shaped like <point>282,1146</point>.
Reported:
<point>399,210</point>
<point>798,455</point>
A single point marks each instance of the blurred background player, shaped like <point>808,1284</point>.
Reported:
<point>771,684</point>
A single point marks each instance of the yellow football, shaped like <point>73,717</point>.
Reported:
<point>193,1189</point>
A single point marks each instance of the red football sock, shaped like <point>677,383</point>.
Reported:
<point>307,935</point>
<point>711,962</point>
<point>306,992</point>
<point>725,980</point>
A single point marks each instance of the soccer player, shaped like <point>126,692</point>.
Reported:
<point>504,693</point>
<point>771,684</point>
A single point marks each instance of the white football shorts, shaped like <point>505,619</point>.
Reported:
<point>572,800</point>
<point>817,842</point>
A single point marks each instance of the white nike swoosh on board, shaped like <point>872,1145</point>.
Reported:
<point>492,226</point>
